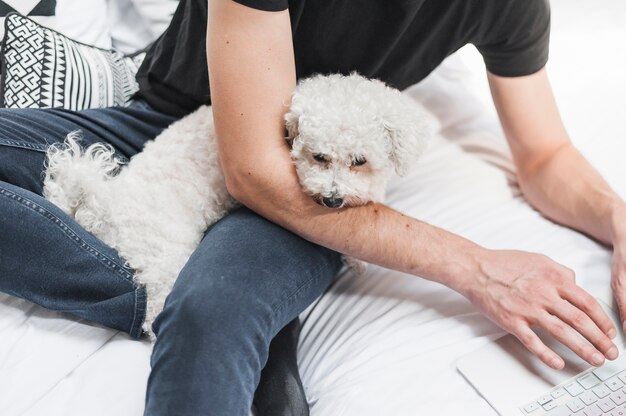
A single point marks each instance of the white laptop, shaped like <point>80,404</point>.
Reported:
<point>515,383</point>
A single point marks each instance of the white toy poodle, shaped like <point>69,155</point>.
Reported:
<point>347,135</point>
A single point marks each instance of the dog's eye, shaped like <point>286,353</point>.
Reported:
<point>359,161</point>
<point>319,157</point>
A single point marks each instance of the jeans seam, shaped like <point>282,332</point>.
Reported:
<point>137,323</point>
<point>283,303</point>
<point>133,323</point>
<point>103,259</point>
<point>30,146</point>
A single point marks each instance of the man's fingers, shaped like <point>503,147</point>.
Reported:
<point>579,321</point>
<point>621,306</point>
<point>588,304</point>
<point>619,292</point>
<point>568,337</point>
<point>532,342</point>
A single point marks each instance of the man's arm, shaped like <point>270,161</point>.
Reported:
<point>553,175</point>
<point>252,79</point>
<point>252,76</point>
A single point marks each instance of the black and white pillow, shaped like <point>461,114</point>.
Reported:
<point>42,68</point>
<point>26,8</point>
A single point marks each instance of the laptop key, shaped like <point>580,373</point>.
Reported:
<point>550,405</point>
<point>544,399</point>
<point>601,391</point>
<point>606,404</point>
<point>618,397</point>
<point>614,384</point>
<point>589,380</point>
<point>562,411</point>
<point>558,392</point>
<point>593,410</point>
<point>619,412</point>
<point>622,377</point>
<point>610,368</point>
<point>576,404</point>
<point>574,389</point>
<point>531,407</point>
<point>588,398</point>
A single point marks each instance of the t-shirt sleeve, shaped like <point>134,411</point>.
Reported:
<point>267,5</point>
<point>516,43</point>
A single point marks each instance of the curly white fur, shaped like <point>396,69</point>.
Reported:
<point>155,210</point>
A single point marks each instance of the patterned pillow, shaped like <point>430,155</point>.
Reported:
<point>27,8</point>
<point>43,69</point>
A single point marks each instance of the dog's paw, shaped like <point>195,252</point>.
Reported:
<point>357,266</point>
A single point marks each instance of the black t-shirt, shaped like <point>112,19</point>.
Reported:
<point>397,41</point>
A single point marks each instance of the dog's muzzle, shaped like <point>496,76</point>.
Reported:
<point>332,202</point>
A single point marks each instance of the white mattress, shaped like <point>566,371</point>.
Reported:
<point>383,343</point>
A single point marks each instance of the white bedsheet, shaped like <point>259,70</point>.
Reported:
<point>384,343</point>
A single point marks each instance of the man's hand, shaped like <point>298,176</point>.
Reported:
<point>519,290</point>
<point>554,177</point>
<point>618,281</point>
<point>618,269</point>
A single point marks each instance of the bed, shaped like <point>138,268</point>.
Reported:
<point>384,343</point>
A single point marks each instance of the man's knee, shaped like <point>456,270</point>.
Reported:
<point>213,310</point>
<point>247,275</point>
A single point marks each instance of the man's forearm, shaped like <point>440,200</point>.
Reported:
<point>251,62</point>
<point>554,176</point>
<point>373,232</point>
<point>567,189</point>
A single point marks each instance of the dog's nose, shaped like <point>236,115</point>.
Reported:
<point>332,202</point>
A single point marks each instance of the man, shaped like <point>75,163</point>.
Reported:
<point>259,267</point>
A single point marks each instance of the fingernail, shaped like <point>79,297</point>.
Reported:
<point>557,363</point>
<point>597,359</point>
<point>611,354</point>
<point>624,326</point>
<point>612,333</point>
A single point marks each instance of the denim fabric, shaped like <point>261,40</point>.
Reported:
<point>45,256</point>
<point>247,279</point>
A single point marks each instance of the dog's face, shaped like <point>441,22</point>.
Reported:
<point>340,164</point>
<point>348,134</point>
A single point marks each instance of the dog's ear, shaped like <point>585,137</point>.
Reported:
<point>291,125</point>
<point>409,128</point>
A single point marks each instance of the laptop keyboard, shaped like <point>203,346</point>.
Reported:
<point>596,392</point>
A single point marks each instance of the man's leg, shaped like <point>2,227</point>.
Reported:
<point>45,256</point>
<point>247,279</point>
<point>280,391</point>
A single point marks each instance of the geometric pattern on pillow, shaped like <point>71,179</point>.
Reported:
<point>26,8</point>
<point>42,68</point>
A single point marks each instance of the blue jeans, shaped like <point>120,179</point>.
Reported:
<point>247,279</point>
